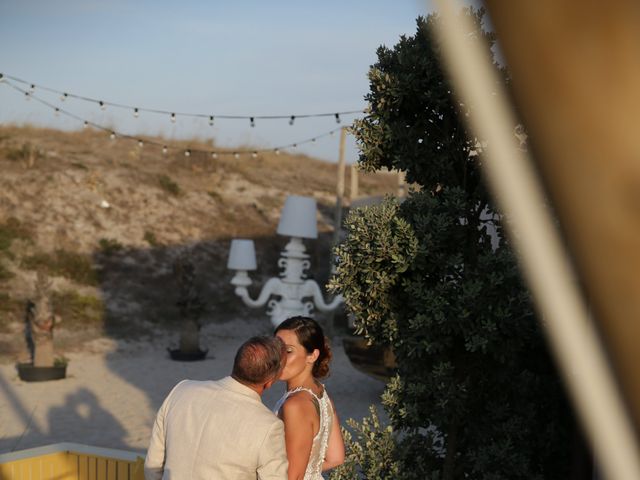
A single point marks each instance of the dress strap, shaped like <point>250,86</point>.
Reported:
<point>288,393</point>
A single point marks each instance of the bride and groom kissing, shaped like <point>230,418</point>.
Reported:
<point>222,430</point>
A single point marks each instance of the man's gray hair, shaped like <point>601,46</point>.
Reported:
<point>259,360</point>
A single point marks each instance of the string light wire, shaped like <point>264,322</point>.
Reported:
<point>173,114</point>
<point>113,134</point>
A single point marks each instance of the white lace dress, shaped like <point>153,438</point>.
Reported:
<point>321,440</point>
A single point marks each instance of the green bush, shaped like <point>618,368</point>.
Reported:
<point>169,186</point>
<point>373,454</point>
<point>10,230</point>
<point>24,152</point>
<point>151,239</point>
<point>11,309</point>
<point>109,246</point>
<point>5,273</point>
<point>476,394</point>
<point>72,265</point>
<point>76,310</point>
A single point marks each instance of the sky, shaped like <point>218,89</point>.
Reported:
<point>244,57</point>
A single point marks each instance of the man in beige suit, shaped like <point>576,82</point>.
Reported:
<point>221,429</point>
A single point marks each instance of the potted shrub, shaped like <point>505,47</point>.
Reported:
<point>40,322</point>
<point>191,307</point>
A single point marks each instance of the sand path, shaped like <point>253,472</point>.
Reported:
<point>114,389</point>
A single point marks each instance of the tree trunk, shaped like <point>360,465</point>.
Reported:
<point>43,355</point>
<point>189,338</point>
<point>452,449</point>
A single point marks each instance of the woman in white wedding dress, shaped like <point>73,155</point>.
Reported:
<point>312,430</point>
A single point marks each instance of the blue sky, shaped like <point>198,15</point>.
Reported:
<point>242,57</point>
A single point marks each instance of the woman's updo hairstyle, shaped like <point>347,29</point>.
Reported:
<point>311,337</point>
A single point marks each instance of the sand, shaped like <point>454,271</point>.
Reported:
<point>114,388</point>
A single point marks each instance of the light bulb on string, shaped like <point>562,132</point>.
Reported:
<point>252,122</point>
<point>313,140</point>
<point>254,155</point>
<point>187,153</point>
<point>86,124</point>
<point>1,77</point>
<point>57,112</point>
<point>236,155</point>
<point>27,96</point>
<point>102,105</point>
<point>140,144</point>
<point>173,118</point>
<point>64,97</point>
<point>292,119</point>
<point>164,150</point>
<point>211,120</point>
<point>214,155</point>
<point>136,112</point>
<point>112,136</point>
<point>337,118</point>
<point>32,88</point>
<point>294,145</point>
<point>277,151</point>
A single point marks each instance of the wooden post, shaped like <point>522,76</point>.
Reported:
<point>402,186</point>
<point>339,187</point>
<point>353,192</point>
<point>338,216</point>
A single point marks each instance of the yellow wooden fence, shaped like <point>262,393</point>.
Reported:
<point>71,461</point>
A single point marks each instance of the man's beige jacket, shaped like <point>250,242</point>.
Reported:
<point>216,430</point>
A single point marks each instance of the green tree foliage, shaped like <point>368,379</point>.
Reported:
<point>476,395</point>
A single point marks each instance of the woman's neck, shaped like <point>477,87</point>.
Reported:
<point>304,380</point>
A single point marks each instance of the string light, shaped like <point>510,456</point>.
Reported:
<point>173,118</point>
<point>57,112</point>
<point>136,113</point>
<point>187,153</point>
<point>103,104</point>
<point>211,120</point>
<point>27,96</point>
<point>164,150</point>
<point>32,88</point>
<point>113,134</point>
<point>252,122</point>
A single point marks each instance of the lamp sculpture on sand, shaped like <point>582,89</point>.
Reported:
<point>297,294</point>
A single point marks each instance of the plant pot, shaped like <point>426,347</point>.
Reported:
<point>180,356</point>
<point>28,373</point>
<point>377,362</point>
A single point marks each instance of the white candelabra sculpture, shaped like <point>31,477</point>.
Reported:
<point>297,294</point>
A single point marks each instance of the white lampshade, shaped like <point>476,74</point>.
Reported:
<point>242,255</point>
<point>298,217</point>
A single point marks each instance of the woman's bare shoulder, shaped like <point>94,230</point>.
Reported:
<point>298,403</point>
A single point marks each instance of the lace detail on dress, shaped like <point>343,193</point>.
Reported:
<point>321,440</point>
